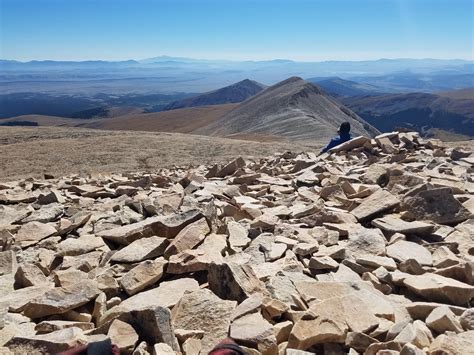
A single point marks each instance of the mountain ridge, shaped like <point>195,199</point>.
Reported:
<point>293,109</point>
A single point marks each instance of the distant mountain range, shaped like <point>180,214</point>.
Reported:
<point>363,66</point>
<point>292,109</point>
<point>170,75</point>
<point>234,93</point>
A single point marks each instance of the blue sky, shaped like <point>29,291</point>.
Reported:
<point>302,30</point>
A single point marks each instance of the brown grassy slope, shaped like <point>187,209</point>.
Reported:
<point>43,120</point>
<point>181,121</point>
<point>447,136</point>
<point>61,151</point>
<point>462,94</point>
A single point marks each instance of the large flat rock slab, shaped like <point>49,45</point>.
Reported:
<point>61,300</point>
<point>427,206</point>
<point>161,226</point>
<point>439,288</point>
<point>379,201</point>
<point>167,294</point>
<point>404,250</point>
<point>396,225</point>
<point>141,249</point>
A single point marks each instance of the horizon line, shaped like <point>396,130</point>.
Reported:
<point>235,60</point>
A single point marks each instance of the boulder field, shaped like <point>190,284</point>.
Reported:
<point>367,249</point>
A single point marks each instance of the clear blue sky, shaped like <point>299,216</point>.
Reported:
<point>236,29</point>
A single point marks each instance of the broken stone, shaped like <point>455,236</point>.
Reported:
<point>442,319</point>
<point>359,341</point>
<point>53,325</point>
<point>203,310</point>
<point>192,346</point>
<point>439,288</point>
<point>188,238</point>
<point>374,261</point>
<point>51,343</point>
<point>276,251</point>
<point>231,168</point>
<point>306,333</point>
<point>379,201</point>
<point>153,324</point>
<point>467,319</point>
<point>69,277</point>
<point>365,241</point>
<point>250,305</point>
<point>273,308</point>
<point>305,249</point>
<point>142,276</point>
<point>32,232</point>
<point>191,261</point>
<point>123,335</point>
<point>30,275</point>
<point>323,263</point>
<point>265,222</point>
<point>416,333</point>
<point>162,226</point>
<point>141,249</point>
<point>238,236</point>
<point>403,251</point>
<point>163,349</point>
<point>232,281</point>
<point>79,246</point>
<point>50,197</point>
<point>45,214</point>
<point>421,310</point>
<point>61,300</point>
<point>282,331</point>
<point>387,348</point>
<point>10,215</point>
<point>397,225</point>
<point>167,294</point>
<point>452,343</point>
<point>425,206</point>
<point>8,263</point>
<point>253,330</point>
<point>443,257</point>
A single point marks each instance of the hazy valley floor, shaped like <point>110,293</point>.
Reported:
<point>34,151</point>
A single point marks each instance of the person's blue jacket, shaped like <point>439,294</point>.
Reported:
<point>336,141</point>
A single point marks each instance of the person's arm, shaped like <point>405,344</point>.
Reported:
<point>331,144</point>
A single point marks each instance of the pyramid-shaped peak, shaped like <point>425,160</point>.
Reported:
<point>248,82</point>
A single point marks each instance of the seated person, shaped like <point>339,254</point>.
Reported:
<point>344,136</point>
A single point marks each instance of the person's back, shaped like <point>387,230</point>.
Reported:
<point>344,136</point>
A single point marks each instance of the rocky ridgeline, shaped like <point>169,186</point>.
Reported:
<point>366,250</point>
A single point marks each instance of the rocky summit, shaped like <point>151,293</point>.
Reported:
<point>367,249</point>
